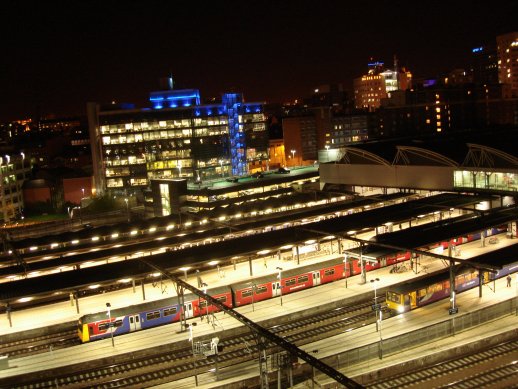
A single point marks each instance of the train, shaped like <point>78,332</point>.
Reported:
<point>417,293</point>
<point>155,313</point>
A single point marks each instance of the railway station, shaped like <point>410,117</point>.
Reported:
<point>337,294</point>
<point>372,257</point>
<point>290,241</point>
<point>503,237</point>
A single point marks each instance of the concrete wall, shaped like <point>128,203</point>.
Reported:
<point>399,176</point>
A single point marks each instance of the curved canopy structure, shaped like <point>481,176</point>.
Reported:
<point>353,155</point>
<point>488,157</point>
<point>411,155</point>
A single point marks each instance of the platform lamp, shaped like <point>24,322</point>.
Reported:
<point>376,306</point>
<point>279,276</point>
<point>109,313</point>
<point>194,351</point>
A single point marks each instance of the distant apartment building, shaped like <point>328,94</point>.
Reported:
<point>445,108</point>
<point>347,129</point>
<point>178,137</point>
<point>14,169</point>
<point>507,51</point>
<point>378,84</point>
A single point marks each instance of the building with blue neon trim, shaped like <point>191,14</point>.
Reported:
<point>178,137</point>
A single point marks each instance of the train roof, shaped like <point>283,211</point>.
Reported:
<point>502,257</point>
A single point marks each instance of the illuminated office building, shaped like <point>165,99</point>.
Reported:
<point>378,84</point>
<point>177,138</point>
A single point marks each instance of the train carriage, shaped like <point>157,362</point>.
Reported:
<point>197,306</point>
<point>412,294</point>
<point>128,319</point>
<point>292,280</point>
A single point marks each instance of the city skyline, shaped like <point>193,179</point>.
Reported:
<point>58,59</point>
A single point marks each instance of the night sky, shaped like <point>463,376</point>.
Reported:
<point>57,56</point>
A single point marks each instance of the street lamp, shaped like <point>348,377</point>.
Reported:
<point>179,164</point>
<point>279,276</point>
<point>83,190</point>
<point>221,164</point>
<point>127,208</point>
<point>293,156</point>
<point>194,353</point>
<point>327,152</point>
<point>108,307</point>
<point>23,164</point>
<point>381,338</point>
<point>376,306</point>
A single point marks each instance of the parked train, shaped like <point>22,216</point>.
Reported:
<point>151,314</point>
<point>420,292</point>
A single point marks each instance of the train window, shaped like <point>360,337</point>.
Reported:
<point>118,323</point>
<point>290,282</point>
<point>90,330</point>
<point>203,304</point>
<point>303,279</point>
<point>394,297</point>
<point>222,299</point>
<point>169,311</point>
<point>260,289</point>
<point>422,292</point>
<point>246,293</point>
<point>103,326</point>
<point>329,272</point>
<point>153,315</point>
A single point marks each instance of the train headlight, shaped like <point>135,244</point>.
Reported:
<point>401,309</point>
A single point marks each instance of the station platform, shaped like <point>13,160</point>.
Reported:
<point>66,311</point>
<point>291,303</point>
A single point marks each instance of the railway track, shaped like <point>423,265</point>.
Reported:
<point>40,344</point>
<point>168,367</point>
<point>490,368</point>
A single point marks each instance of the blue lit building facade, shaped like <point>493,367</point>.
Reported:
<point>177,138</point>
